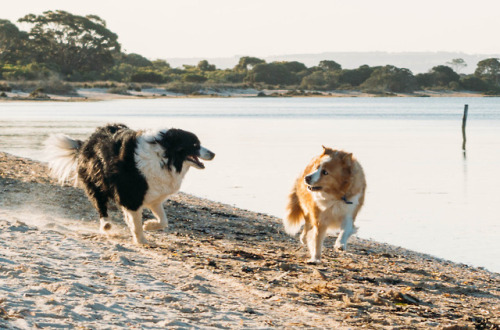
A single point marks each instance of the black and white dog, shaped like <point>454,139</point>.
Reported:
<point>136,169</point>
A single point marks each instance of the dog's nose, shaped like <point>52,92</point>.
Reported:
<point>307,179</point>
<point>206,154</point>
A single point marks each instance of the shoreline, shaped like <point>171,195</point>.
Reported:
<point>215,266</point>
<point>102,94</point>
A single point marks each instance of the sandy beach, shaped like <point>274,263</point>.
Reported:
<point>216,266</point>
<point>102,94</point>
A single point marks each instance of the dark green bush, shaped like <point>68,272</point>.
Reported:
<point>183,87</point>
<point>39,94</point>
<point>194,78</point>
<point>473,83</point>
<point>122,90</point>
<point>390,79</point>
<point>32,71</point>
<point>55,85</point>
<point>4,87</point>
<point>148,76</point>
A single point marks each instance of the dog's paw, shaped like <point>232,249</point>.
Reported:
<point>340,247</point>
<point>150,245</point>
<point>141,241</point>
<point>313,261</point>
<point>104,228</point>
<point>154,225</point>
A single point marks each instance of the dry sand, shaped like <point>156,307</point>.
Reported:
<point>102,94</point>
<point>216,266</point>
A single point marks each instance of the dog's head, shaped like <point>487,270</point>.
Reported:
<point>182,147</point>
<point>331,173</point>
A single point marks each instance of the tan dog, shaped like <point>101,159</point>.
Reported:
<point>329,194</point>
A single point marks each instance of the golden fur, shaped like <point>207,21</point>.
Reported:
<point>328,194</point>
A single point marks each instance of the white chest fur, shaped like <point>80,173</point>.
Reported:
<point>333,210</point>
<point>162,181</point>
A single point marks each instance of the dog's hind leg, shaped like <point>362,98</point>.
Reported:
<point>305,231</point>
<point>346,230</point>
<point>315,239</point>
<point>100,202</point>
<point>134,222</point>
<point>161,221</point>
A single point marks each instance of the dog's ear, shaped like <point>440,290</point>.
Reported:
<point>170,139</point>
<point>327,150</point>
<point>347,159</point>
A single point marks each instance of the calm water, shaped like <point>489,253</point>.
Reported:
<point>423,192</point>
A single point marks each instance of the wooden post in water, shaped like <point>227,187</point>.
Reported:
<point>464,122</point>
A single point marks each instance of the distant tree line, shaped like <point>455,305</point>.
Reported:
<point>82,49</point>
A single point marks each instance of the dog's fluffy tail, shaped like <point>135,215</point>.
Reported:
<point>61,152</point>
<point>294,217</point>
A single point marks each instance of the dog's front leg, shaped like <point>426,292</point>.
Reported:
<point>346,230</point>
<point>134,222</point>
<point>161,221</point>
<point>104,225</point>
<point>315,239</point>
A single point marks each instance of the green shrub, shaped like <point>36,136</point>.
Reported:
<point>320,80</point>
<point>439,76</point>
<point>102,84</point>
<point>194,78</point>
<point>390,79</point>
<point>225,76</point>
<point>275,73</point>
<point>32,71</point>
<point>136,88</point>
<point>454,85</point>
<point>148,76</point>
<point>122,90</point>
<point>55,85</point>
<point>473,83</point>
<point>355,77</point>
<point>183,87</point>
<point>493,92</point>
<point>39,94</point>
<point>4,87</point>
<point>315,80</point>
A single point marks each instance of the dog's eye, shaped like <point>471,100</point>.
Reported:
<point>324,172</point>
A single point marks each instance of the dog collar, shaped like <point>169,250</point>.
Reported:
<point>345,200</point>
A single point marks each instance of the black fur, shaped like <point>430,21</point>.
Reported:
<point>107,169</point>
<point>178,145</point>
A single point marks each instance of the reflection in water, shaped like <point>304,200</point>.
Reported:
<point>464,124</point>
<point>464,162</point>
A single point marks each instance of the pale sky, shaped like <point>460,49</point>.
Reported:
<point>227,28</point>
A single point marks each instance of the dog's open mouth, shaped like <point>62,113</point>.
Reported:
<point>196,161</point>
<point>314,188</point>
